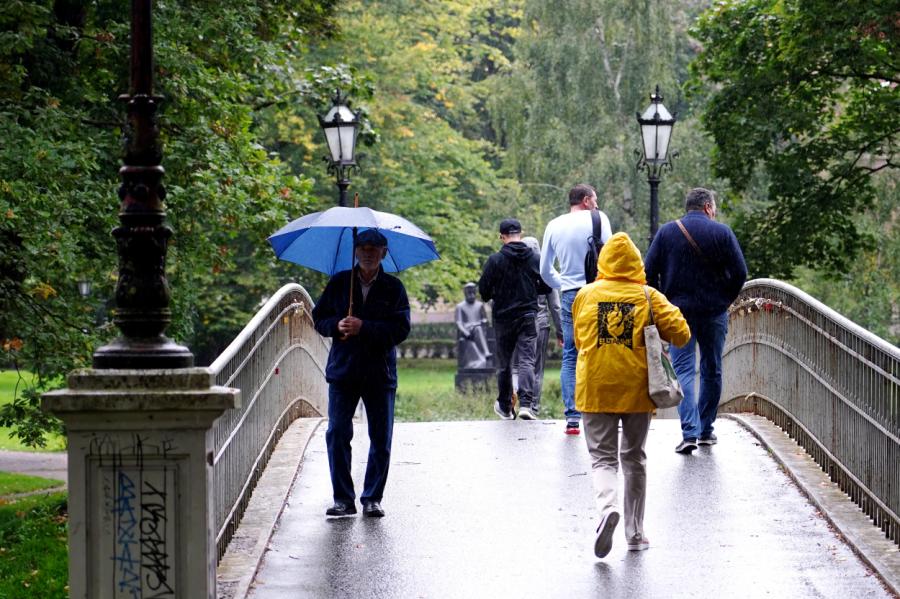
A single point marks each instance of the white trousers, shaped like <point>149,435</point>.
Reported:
<point>602,437</point>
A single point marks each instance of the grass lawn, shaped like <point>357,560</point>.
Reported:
<point>426,392</point>
<point>8,381</point>
<point>33,551</point>
<point>22,483</point>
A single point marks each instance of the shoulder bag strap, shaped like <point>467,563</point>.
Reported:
<point>697,249</point>
<point>690,239</point>
<point>649,305</point>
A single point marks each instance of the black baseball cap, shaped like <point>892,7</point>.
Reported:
<point>510,226</point>
<point>371,237</point>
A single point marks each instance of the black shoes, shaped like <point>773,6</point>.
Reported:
<point>686,446</point>
<point>373,509</point>
<point>711,439</point>
<point>341,509</point>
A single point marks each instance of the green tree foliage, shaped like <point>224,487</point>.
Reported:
<point>434,162</point>
<point>802,96</point>
<point>566,107</point>
<point>869,291</point>
<point>62,65</point>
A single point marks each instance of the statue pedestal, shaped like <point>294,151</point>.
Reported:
<point>476,379</point>
<point>140,481</point>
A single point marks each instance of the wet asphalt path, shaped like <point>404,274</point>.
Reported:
<point>505,509</point>
<point>44,464</point>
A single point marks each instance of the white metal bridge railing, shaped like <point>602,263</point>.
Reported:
<point>278,363</point>
<point>830,384</point>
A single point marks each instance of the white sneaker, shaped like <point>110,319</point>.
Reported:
<point>527,413</point>
<point>639,544</point>
<point>603,542</point>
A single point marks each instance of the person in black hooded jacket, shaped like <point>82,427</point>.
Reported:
<point>512,279</point>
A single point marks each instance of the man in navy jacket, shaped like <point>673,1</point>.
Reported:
<point>700,269</point>
<point>362,364</point>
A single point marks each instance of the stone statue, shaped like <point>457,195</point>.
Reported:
<point>471,322</point>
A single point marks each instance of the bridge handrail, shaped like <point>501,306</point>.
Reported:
<point>829,383</point>
<point>278,363</point>
<point>827,312</point>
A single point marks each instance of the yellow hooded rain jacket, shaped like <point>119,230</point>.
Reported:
<point>609,319</point>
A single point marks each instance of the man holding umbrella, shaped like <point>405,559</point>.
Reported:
<point>366,313</point>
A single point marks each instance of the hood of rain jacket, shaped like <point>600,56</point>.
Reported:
<point>609,319</point>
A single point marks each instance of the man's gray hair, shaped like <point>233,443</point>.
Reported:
<point>532,243</point>
<point>698,198</point>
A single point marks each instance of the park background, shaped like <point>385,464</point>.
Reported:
<point>473,111</point>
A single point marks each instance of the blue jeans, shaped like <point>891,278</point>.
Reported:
<point>569,355</point>
<point>698,414</point>
<point>342,402</point>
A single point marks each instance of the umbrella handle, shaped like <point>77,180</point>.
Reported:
<point>352,261</point>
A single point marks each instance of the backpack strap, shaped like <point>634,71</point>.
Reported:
<point>596,225</point>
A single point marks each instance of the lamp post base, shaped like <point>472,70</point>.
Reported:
<point>144,353</point>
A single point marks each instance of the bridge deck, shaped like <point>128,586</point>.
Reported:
<point>505,509</point>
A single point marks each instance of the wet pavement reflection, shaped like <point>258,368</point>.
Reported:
<point>505,509</point>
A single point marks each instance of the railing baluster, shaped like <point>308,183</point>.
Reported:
<point>279,337</point>
<point>831,385</point>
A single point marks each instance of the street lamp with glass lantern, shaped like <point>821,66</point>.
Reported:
<point>84,288</point>
<point>341,127</point>
<point>656,130</point>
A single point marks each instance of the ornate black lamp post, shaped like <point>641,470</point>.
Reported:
<point>656,129</point>
<point>341,126</point>
<point>142,291</point>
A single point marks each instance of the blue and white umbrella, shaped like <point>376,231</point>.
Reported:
<point>323,241</point>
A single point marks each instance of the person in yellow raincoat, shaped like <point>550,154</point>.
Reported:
<point>611,382</point>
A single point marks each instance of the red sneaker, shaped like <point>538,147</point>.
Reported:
<point>572,428</point>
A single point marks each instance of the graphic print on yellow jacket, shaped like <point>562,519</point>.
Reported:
<point>610,315</point>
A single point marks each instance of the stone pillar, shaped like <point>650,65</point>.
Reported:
<point>140,481</point>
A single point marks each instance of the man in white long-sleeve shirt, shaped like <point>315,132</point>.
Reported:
<point>566,243</point>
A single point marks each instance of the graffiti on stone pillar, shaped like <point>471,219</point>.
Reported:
<point>154,546</point>
<point>127,552</point>
<point>135,475</point>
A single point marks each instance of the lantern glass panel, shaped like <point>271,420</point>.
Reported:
<point>341,135</point>
<point>84,288</point>
<point>656,130</point>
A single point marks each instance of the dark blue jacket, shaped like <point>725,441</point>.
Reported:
<point>369,358</point>
<point>699,287</point>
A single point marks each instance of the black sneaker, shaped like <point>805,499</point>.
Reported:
<point>686,446</point>
<point>710,439</point>
<point>604,539</point>
<point>503,414</point>
<point>572,428</point>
